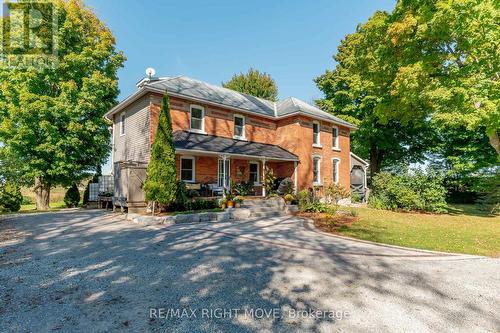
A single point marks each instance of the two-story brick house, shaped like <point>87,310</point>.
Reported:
<point>222,135</point>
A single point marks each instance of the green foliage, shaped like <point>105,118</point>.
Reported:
<point>269,179</point>
<point>254,83</point>
<point>318,207</point>
<point>243,188</point>
<point>289,198</point>
<point>72,196</point>
<point>10,197</point>
<point>51,119</point>
<point>160,184</point>
<point>355,197</point>
<point>286,186</point>
<point>421,79</point>
<point>354,212</point>
<point>337,192</point>
<point>413,192</point>
<point>488,188</point>
<point>86,193</point>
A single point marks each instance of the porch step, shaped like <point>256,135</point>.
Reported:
<point>265,208</point>
<point>267,214</point>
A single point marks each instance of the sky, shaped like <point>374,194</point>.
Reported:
<point>211,40</point>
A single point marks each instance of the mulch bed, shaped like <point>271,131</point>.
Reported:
<point>328,223</point>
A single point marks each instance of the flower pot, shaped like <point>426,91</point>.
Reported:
<point>237,205</point>
<point>230,204</point>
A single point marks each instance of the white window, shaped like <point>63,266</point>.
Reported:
<point>187,169</point>
<point>239,126</point>
<point>122,124</point>
<point>335,137</point>
<point>316,170</point>
<point>254,173</point>
<point>316,129</point>
<point>197,120</point>
<point>335,170</point>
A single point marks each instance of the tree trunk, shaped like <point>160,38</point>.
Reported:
<point>375,160</point>
<point>495,141</point>
<point>42,192</point>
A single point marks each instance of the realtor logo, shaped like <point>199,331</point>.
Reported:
<point>29,34</point>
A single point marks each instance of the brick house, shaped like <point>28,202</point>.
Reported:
<point>222,135</point>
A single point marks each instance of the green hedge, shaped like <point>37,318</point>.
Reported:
<point>416,191</point>
<point>10,197</point>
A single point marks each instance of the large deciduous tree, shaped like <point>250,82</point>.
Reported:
<point>160,184</point>
<point>453,52</point>
<point>254,83</point>
<point>52,118</point>
<point>423,78</point>
<point>356,88</point>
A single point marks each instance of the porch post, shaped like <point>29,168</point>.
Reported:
<point>224,185</point>
<point>295,164</point>
<point>264,177</point>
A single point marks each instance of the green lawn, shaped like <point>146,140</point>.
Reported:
<point>466,229</point>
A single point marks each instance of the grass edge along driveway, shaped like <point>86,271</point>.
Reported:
<point>463,230</point>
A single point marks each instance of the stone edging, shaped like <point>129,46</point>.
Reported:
<point>228,214</point>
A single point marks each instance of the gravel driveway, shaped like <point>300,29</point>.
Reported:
<point>89,271</point>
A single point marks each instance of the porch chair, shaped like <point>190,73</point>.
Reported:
<point>215,189</point>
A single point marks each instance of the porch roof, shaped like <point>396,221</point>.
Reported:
<point>209,144</point>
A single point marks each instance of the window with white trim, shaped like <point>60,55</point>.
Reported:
<point>239,126</point>
<point>316,170</point>
<point>197,118</point>
<point>335,170</point>
<point>254,173</point>
<point>335,137</point>
<point>187,169</point>
<point>122,124</point>
<point>316,130</point>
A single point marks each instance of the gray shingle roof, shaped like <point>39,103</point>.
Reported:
<point>216,144</point>
<point>211,93</point>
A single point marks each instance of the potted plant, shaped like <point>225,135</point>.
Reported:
<point>230,199</point>
<point>288,199</point>
<point>238,201</point>
<point>223,203</point>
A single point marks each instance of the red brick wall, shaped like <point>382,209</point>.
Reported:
<point>293,134</point>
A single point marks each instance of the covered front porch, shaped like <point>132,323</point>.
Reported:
<point>210,164</point>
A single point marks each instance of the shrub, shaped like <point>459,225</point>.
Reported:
<point>269,179</point>
<point>416,191</point>
<point>27,201</point>
<point>10,197</point>
<point>355,197</point>
<point>354,212</point>
<point>317,207</point>
<point>72,196</point>
<point>336,192</point>
<point>286,186</point>
<point>243,188</point>
<point>289,198</point>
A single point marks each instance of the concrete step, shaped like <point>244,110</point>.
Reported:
<point>266,214</point>
<point>263,203</point>
<point>263,209</point>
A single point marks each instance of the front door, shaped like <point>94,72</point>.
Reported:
<point>223,173</point>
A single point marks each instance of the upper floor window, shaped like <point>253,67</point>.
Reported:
<point>316,129</point>
<point>335,170</point>
<point>335,138</point>
<point>197,121</point>
<point>239,126</point>
<point>187,169</point>
<point>122,124</point>
<point>316,170</point>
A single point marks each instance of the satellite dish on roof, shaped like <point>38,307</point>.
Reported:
<point>150,72</point>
